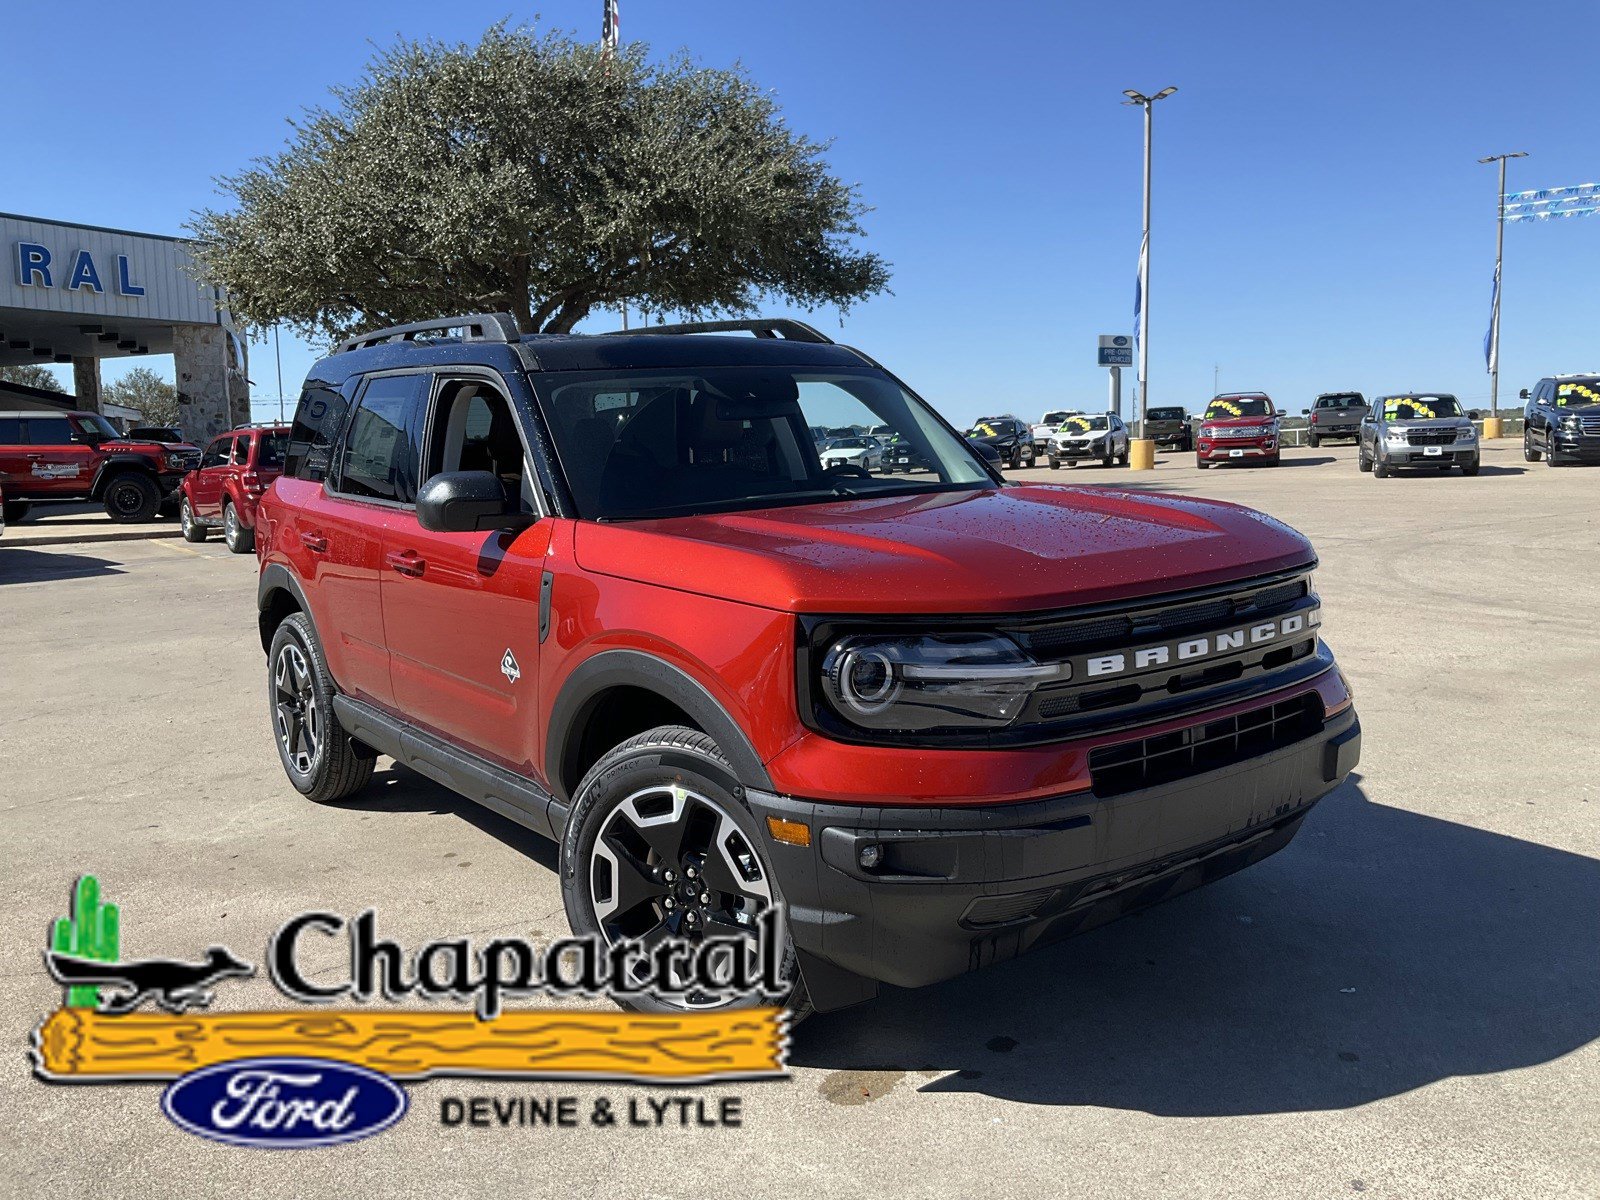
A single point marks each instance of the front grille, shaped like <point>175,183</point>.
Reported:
<point>1430,437</point>
<point>1590,426</point>
<point>1234,431</point>
<point>1168,757</point>
<point>1071,637</point>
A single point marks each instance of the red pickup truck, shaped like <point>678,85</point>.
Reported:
<point>607,587</point>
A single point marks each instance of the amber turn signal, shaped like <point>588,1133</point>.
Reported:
<point>790,833</point>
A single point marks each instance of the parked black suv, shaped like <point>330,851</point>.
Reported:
<point>1009,437</point>
<point>1563,422</point>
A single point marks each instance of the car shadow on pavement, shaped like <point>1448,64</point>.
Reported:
<point>21,565</point>
<point>399,789</point>
<point>1383,950</point>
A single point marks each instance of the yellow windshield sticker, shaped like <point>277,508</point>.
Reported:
<point>1224,406</point>
<point>1576,393</point>
<point>1418,411</point>
<point>1077,423</point>
<point>986,431</point>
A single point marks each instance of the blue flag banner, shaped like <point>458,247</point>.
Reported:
<point>1551,214</point>
<point>1138,288</point>
<point>1489,348</point>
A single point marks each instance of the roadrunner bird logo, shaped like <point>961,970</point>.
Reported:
<point>175,986</point>
<point>509,668</point>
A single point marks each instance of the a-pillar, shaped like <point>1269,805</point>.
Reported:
<point>213,391</point>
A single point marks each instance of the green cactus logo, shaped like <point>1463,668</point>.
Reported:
<point>90,932</point>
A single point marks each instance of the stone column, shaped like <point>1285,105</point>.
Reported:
<point>86,383</point>
<point>213,391</point>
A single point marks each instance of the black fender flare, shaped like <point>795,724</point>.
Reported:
<point>581,692</point>
<point>117,464</point>
<point>276,578</point>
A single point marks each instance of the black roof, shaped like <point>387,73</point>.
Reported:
<point>584,352</point>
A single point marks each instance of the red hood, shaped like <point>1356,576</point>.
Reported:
<point>1224,422</point>
<point>145,446</point>
<point>1015,549</point>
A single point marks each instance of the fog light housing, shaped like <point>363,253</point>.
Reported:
<point>869,856</point>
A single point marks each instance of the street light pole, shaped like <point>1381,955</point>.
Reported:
<point>1499,282</point>
<point>1141,453</point>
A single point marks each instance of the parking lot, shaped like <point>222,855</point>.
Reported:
<point>1404,1003</point>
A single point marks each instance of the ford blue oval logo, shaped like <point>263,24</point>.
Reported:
<point>284,1102</point>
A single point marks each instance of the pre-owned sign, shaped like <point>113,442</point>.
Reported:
<point>1116,350</point>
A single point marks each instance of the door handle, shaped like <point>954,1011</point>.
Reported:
<point>406,562</point>
<point>34,457</point>
<point>314,542</point>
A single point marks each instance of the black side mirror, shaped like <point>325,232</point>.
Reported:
<point>467,502</point>
<point>1523,394</point>
<point>1472,414</point>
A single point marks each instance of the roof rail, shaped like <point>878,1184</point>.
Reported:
<point>260,425</point>
<point>766,327</point>
<point>474,327</point>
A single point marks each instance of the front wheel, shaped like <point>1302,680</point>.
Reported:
<point>131,497</point>
<point>1380,469</point>
<point>1529,454</point>
<point>1363,463</point>
<point>660,845</point>
<point>1055,462</point>
<point>317,755</point>
<point>1015,460</point>
<point>1471,467</point>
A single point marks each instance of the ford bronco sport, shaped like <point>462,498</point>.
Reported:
<point>223,491</point>
<point>603,586</point>
<point>1417,430</point>
<point>50,456</point>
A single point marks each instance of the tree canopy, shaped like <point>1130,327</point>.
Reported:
<point>31,375</point>
<point>143,390</point>
<point>528,173</point>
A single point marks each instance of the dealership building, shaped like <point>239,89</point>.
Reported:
<point>80,293</point>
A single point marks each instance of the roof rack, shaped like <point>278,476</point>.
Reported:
<point>768,327</point>
<point>474,327</point>
<point>260,425</point>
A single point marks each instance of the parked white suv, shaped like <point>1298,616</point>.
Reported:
<point>1101,435</point>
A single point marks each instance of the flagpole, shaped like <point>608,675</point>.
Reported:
<point>1493,431</point>
<point>1141,451</point>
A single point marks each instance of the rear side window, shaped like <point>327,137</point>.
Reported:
<point>49,431</point>
<point>271,447</point>
<point>10,431</point>
<point>318,422</point>
<point>380,455</point>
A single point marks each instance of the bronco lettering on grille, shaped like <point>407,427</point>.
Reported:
<point>1199,648</point>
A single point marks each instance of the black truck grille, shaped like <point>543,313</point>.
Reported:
<point>1430,437</point>
<point>1168,757</point>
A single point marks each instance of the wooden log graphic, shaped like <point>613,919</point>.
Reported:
<point>80,1044</point>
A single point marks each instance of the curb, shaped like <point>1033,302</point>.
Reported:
<point>66,538</point>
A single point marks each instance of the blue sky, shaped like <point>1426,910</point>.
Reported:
<point>1321,221</point>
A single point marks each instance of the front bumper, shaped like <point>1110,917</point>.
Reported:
<point>1224,449</point>
<point>1456,454</point>
<point>169,481</point>
<point>1070,450</point>
<point>958,888</point>
<point>1573,445</point>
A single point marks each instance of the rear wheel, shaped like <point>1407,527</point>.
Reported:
<point>131,497</point>
<point>193,531</point>
<point>1313,440</point>
<point>238,539</point>
<point>317,755</point>
<point>660,845</point>
<point>15,510</point>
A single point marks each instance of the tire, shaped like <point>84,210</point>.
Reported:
<point>1550,455</point>
<point>235,536</point>
<point>1123,457</point>
<point>15,510</point>
<point>317,755</point>
<point>1363,463</point>
<point>1110,457</point>
<point>674,780</point>
<point>1313,440</point>
<point>1201,464</point>
<point>1015,460</point>
<point>1380,469</point>
<point>1529,454</point>
<point>1471,468</point>
<point>193,531</point>
<point>131,497</point>
<point>1055,462</point>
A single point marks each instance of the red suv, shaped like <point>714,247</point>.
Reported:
<point>606,587</point>
<point>223,491</point>
<point>1239,427</point>
<point>76,456</point>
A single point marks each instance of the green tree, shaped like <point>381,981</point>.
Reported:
<point>141,388</point>
<point>528,174</point>
<point>32,376</point>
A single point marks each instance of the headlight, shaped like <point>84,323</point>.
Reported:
<point>913,683</point>
<point>1208,431</point>
<point>1396,435</point>
<point>174,462</point>
<point>1571,424</point>
<point>1467,434</point>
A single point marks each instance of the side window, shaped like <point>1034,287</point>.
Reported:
<point>48,431</point>
<point>379,460</point>
<point>474,429</point>
<point>270,447</point>
<point>217,453</point>
<point>318,422</point>
<point>10,431</point>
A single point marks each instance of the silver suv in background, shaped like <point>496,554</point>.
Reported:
<point>1335,415</point>
<point>1102,436</point>
<point>1417,429</point>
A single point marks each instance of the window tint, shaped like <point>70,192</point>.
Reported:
<point>474,429</point>
<point>10,431</point>
<point>271,446</point>
<point>318,421</point>
<point>49,431</point>
<point>380,452</point>
<point>217,453</point>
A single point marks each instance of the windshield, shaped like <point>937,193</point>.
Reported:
<point>848,444</point>
<point>1083,424</point>
<point>1340,402</point>
<point>1419,408</point>
<point>97,424</point>
<point>1571,392</point>
<point>643,444</point>
<point>1055,418</point>
<point>1164,414</point>
<point>1226,408</point>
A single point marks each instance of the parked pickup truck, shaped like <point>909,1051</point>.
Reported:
<point>1335,415</point>
<point>906,725</point>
